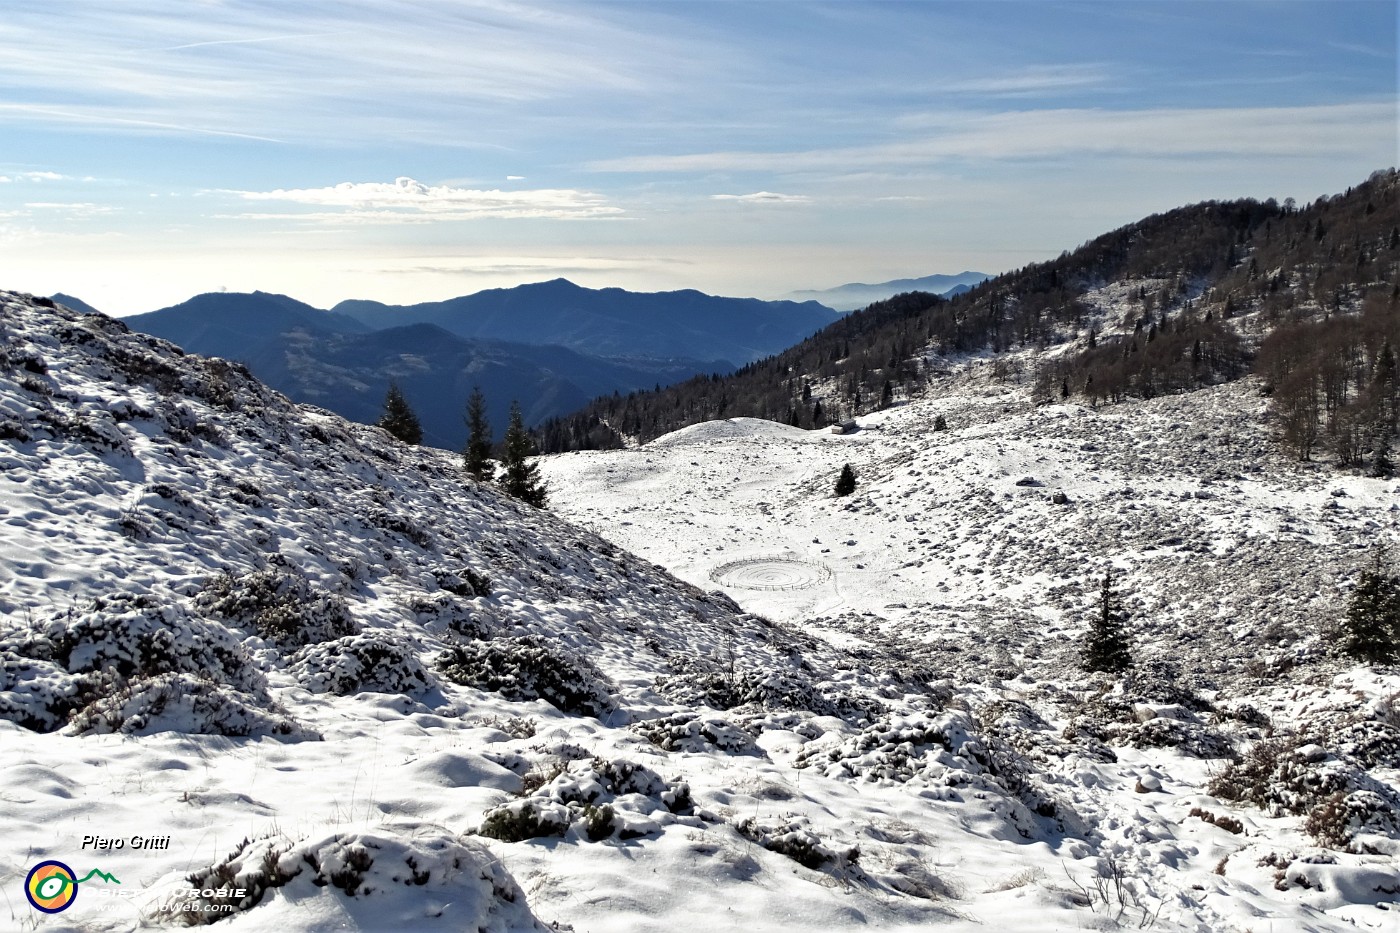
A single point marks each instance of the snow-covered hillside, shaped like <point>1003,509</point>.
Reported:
<point>975,552</point>
<point>324,669</point>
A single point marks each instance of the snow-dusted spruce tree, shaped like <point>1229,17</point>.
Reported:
<point>520,478</point>
<point>476,457</point>
<point>846,482</point>
<point>398,419</point>
<point>1106,645</point>
<point>1371,627</point>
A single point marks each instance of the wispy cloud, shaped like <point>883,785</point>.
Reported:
<point>35,176</point>
<point>99,117</point>
<point>408,201</point>
<point>763,197</point>
<point>73,209</point>
<point>1254,133</point>
<point>307,71</point>
<point>249,41</point>
<point>1033,82</point>
<point>1359,49</point>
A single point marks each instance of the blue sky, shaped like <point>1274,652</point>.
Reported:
<point>409,151</point>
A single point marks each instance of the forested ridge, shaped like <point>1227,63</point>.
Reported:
<point>1307,296</point>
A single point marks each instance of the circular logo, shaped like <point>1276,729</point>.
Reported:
<point>51,886</point>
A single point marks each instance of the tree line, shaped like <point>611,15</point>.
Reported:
<point>518,477</point>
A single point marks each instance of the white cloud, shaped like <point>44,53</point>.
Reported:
<point>35,176</point>
<point>83,208</point>
<point>296,71</point>
<point>763,197</point>
<point>1030,82</point>
<point>99,117</point>
<point>1252,133</point>
<point>408,201</point>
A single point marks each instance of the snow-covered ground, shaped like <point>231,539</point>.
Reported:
<point>325,669</point>
<point>977,552</point>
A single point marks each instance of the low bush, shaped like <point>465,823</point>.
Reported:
<point>526,668</point>
<point>694,732</point>
<point>281,606</point>
<point>1337,820</point>
<point>359,664</point>
<point>50,671</point>
<point>183,703</point>
<point>530,818</point>
<point>800,845</point>
<point>1276,778</point>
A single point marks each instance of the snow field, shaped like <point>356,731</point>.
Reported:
<point>188,561</point>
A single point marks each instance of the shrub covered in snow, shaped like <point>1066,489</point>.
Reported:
<point>421,877</point>
<point>695,732</point>
<point>444,612</point>
<point>362,663</point>
<point>1276,776</point>
<point>796,842</point>
<point>603,797</point>
<point>397,523</point>
<point>726,689</point>
<point>38,695</point>
<point>1370,743</point>
<point>1338,819</point>
<point>943,749</point>
<point>467,584</point>
<point>529,818</point>
<point>281,606</point>
<point>137,635</point>
<point>526,668</point>
<point>59,665</point>
<point>183,703</point>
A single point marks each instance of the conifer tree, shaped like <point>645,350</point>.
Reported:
<point>1106,644</point>
<point>398,419</point>
<point>846,482</point>
<point>1382,466</point>
<point>519,477</point>
<point>1371,627</point>
<point>476,457</point>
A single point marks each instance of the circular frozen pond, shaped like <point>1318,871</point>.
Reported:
<point>770,573</point>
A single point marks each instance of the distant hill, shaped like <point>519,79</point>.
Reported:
<point>330,359</point>
<point>612,322</point>
<point>1308,298</point>
<point>855,295</point>
<point>232,324</point>
<point>77,304</point>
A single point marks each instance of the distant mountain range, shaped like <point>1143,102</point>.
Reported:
<point>855,295</point>
<point>612,322</point>
<point>552,346</point>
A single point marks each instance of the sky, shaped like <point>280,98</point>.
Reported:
<point>415,150</point>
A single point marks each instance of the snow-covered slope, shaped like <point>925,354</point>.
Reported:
<point>324,669</point>
<point>975,554</point>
